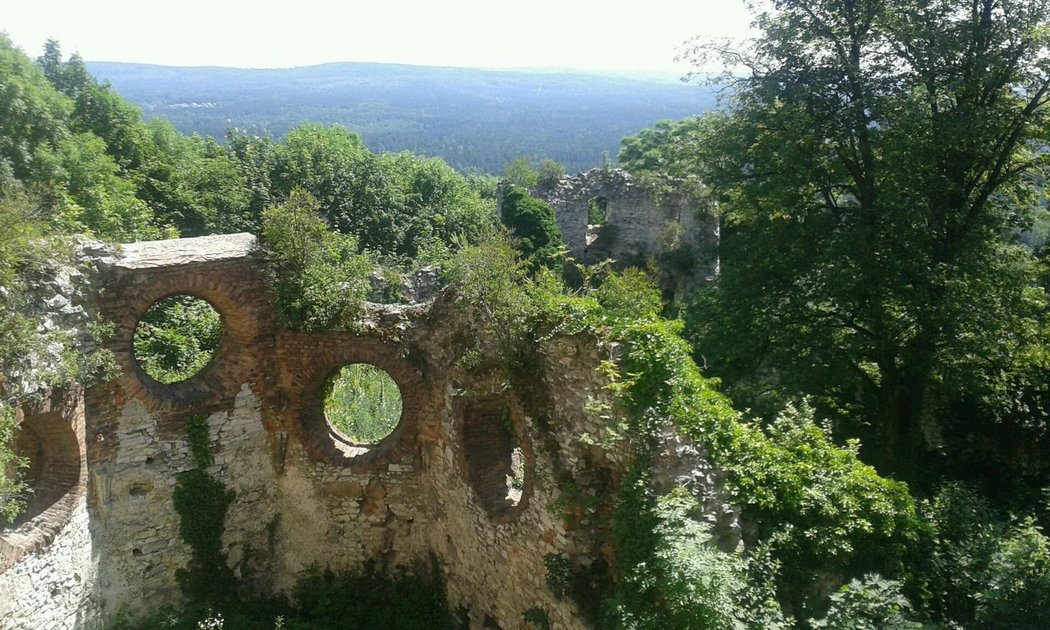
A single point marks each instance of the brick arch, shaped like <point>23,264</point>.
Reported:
<point>487,454</point>
<point>51,437</point>
<point>314,360</point>
<point>235,291</point>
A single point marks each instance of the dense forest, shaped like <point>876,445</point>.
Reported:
<point>871,369</point>
<point>476,120</point>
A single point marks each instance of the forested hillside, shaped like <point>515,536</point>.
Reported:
<point>473,119</point>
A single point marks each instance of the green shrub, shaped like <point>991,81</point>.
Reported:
<point>317,275</point>
<point>963,533</point>
<point>871,603</point>
<point>673,578</point>
<point>819,507</point>
<point>531,222</point>
<point>833,512</point>
<point>1016,593</point>
<point>13,488</point>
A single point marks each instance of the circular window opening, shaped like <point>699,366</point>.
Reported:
<point>363,403</point>
<point>177,338</point>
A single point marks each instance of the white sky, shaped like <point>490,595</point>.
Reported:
<point>586,34</point>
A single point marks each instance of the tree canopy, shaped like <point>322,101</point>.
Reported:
<point>874,161</point>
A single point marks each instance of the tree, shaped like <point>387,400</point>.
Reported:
<point>32,115</point>
<point>520,173</point>
<point>874,159</point>
<point>549,172</point>
<point>531,222</point>
<point>317,275</point>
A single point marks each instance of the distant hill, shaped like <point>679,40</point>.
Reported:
<point>474,119</point>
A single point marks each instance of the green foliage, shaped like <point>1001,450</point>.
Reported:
<point>549,172</point>
<point>666,157</point>
<point>531,222</point>
<point>201,502</point>
<point>396,205</point>
<point>816,507</point>
<point>1017,592</point>
<point>13,488</point>
<point>672,577</point>
<point>33,358</point>
<point>815,504</point>
<point>980,569</point>
<point>597,210</point>
<point>198,437</point>
<point>490,283</point>
<point>825,509</point>
<point>363,402</point>
<point>402,599</point>
<point>520,173</point>
<point>177,338</point>
<point>317,275</point>
<point>871,603</point>
<point>439,206</point>
<point>964,533</point>
<point>872,161</point>
<point>32,114</point>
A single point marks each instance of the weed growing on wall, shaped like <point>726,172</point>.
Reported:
<point>201,503</point>
<point>35,355</point>
<point>317,275</point>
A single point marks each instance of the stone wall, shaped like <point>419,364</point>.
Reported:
<point>305,495</point>
<point>677,230</point>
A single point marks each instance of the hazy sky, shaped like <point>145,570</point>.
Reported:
<point>586,34</point>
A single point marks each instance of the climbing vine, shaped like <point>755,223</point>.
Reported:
<point>201,502</point>
<point>817,508</point>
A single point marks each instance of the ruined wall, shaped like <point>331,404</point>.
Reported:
<point>304,494</point>
<point>670,226</point>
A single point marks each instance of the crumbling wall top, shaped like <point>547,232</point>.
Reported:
<point>185,251</point>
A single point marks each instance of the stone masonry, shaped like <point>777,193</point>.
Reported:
<point>102,535</point>
<point>667,225</point>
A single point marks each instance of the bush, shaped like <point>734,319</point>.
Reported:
<point>871,603</point>
<point>177,337</point>
<point>1016,593</point>
<point>829,511</point>
<point>672,577</point>
<point>13,489</point>
<point>531,223</point>
<point>820,509</point>
<point>963,533</point>
<point>317,275</point>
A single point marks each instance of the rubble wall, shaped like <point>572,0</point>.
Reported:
<point>678,231</point>
<point>305,496</point>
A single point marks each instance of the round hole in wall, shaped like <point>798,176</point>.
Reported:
<point>363,403</point>
<point>177,338</point>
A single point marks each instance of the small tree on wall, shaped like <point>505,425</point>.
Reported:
<point>532,223</point>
